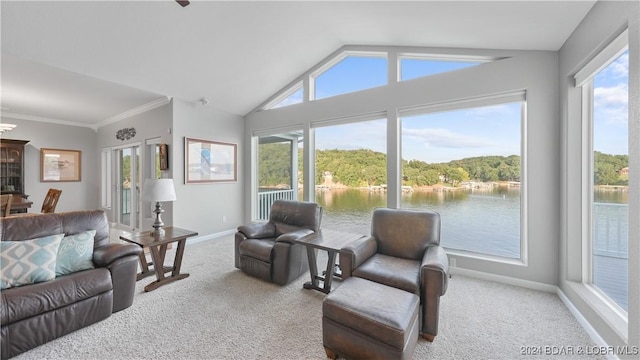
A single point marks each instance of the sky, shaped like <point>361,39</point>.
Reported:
<point>611,107</point>
<point>446,136</point>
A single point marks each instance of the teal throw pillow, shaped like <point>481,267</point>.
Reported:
<point>28,261</point>
<point>75,253</point>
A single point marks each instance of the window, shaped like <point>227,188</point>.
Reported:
<point>350,73</point>
<point>279,170</point>
<point>605,97</point>
<point>466,163</point>
<point>351,173</point>
<point>290,97</point>
<point>415,66</point>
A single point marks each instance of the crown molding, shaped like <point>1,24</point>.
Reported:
<point>135,111</point>
<point>95,126</point>
<point>4,114</point>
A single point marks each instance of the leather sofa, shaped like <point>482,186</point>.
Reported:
<point>267,250</point>
<point>404,252</point>
<point>34,314</point>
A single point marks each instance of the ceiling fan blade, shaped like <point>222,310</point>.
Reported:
<point>183,3</point>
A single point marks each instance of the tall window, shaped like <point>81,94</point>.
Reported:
<point>351,173</point>
<point>605,89</point>
<point>466,164</point>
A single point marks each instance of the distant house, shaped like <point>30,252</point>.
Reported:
<point>624,171</point>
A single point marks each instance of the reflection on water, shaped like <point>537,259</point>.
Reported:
<point>485,222</point>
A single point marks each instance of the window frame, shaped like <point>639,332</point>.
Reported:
<point>584,79</point>
<point>490,100</point>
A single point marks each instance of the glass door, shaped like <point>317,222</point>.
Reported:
<point>128,187</point>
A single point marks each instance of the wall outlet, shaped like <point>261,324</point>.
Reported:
<point>224,219</point>
<point>452,262</point>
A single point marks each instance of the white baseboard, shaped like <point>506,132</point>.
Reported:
<point>534,285</point>
<point>593,334</point>
<point>198,239</point>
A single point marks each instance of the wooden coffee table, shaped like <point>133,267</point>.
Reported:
<point>158,247</point>
<point>330,241</point>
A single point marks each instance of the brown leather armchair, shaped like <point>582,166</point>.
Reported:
<point>268,251</point>
<point>404,252</point>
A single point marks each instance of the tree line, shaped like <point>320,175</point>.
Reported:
<point>363,167</point>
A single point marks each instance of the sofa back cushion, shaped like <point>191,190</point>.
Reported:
<point>67,223</point>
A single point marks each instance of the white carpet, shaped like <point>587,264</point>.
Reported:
<point>221,313</point>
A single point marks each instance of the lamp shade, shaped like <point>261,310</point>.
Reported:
<point>158,190</point>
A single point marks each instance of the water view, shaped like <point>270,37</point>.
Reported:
<point>465,224</point>
<point>488,222</point>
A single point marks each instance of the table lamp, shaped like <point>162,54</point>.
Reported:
<point>158,190</point>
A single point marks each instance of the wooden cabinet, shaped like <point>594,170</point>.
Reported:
<point>12,166</point>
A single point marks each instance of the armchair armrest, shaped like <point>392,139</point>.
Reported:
<point>105,255</point>
<point>291,237</point>
<point>258,230</point>
<point>434,269</point>
<point>354,254</point>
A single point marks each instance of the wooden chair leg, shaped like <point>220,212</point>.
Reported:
<point>330,353</point>
<point>428,337</point>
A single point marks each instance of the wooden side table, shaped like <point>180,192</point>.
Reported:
<point>330,241</point>
<point>158,247</point>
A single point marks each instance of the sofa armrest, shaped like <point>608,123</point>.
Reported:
<point>357,252</point>
<point>105,255</point>
<point>292,236</point>
<point>258,230</point>
<point>434,270</point>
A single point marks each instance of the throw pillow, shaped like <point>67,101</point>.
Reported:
<point>75,253</point>
<point>28,261</point>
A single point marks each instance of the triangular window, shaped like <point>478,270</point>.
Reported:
<point>349,73</point>
<point>290,97</point>
<point>412,67</point>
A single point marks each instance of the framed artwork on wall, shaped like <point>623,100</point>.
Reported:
<point>209,161</point>
<point>59,165</point>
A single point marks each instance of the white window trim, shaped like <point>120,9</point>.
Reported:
<point>106,178</point>
<point>283,95</point>
<point>606,308</point>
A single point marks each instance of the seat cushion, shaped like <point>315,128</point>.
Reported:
<point>399,273</point>
<point>375,310</point>
<point>257,248</point>
<point>31,300</point>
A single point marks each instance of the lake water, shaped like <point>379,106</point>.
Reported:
<point>485,221</point>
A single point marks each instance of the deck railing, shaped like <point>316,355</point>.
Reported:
<point>266,198</point>
<point>611,230</point>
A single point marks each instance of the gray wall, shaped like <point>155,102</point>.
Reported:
<point>201,207</point>
<point>537,73</point>
<point>82,195</point>
<point>600,26</point>
<point>150,124</point>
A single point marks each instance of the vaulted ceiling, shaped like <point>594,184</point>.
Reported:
<point>89,62</point>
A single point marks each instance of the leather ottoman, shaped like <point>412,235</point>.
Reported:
<point>362,319</point>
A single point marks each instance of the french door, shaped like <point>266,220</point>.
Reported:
<point>128,188</point>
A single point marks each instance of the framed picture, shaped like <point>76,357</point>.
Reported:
<point>210,161</point>
<point>163,155</point>
<point>57,165</point>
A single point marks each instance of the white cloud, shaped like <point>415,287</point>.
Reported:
<point>445,138</point>
<point>620,67</point>
<point>611,96</point>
